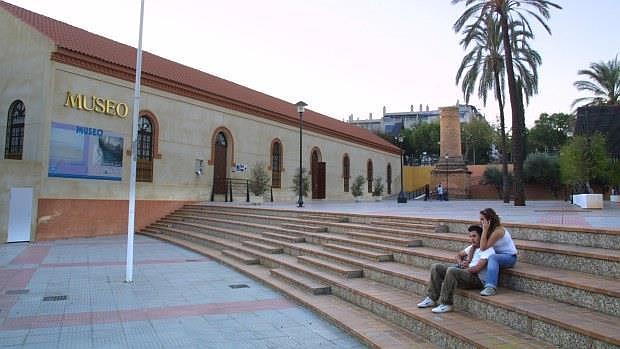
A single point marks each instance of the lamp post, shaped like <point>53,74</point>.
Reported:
<point>445,194</point>
<point>300,109</point>
<point>402,199</point>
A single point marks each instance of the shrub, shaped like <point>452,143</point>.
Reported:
<point>493,176</point>
<point>358,184</point>
<point>305,182</point>
<point>378,189</point>
<point>259,179</point>
<point>541,168</point>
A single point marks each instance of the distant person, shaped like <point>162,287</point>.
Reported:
<point>439,192</point>
<point>465,274</point>
<point>497,238</point>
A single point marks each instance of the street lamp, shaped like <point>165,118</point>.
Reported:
<point>445,194</point>
<point>402,199</point>
<point>300,109</point>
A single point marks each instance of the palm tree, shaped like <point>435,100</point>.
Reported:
<point>604,83</point>
<point>508,11</point>
<point>485,65</point>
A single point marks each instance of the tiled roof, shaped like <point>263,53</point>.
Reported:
<point>93,46</point>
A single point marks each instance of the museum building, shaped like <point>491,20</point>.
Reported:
<point>68,96</point>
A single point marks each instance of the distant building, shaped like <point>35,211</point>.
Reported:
<point>392,123</point>
<point>372,125</point>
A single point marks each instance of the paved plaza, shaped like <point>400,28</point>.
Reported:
<point>71,294</point>
<point>535,212</point>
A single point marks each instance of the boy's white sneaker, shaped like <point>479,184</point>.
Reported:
<point>426,302</point>
<point>442,308</point>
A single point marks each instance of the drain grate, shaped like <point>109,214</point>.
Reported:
<point>54,298</point>
<point>239,286</point>
<point>11,292</point>
<point>193,260</point>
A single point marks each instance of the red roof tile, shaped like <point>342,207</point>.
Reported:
<point>100,48</point>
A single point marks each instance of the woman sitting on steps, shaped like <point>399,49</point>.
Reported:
<point>496,236</point>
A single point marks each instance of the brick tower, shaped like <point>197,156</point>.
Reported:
<point>451,170</point>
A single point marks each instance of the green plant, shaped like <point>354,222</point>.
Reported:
<point>542,168</point>
<point>259,179</point>
<point>305,182</point>
<point>493,176</point>
<point>584,160</point>
<point>358,184</point>
<point>378,189</point>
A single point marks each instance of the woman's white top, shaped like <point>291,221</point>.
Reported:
<point>505,245</point>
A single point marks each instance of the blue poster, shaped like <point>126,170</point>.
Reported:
<point>85,152</point>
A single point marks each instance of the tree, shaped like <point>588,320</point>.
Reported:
<point>305,184</point>
<point>477,138</point>
<point>259,181</point>
<point>550,132</point>
<point>583,160</point>
<point>422,138</point>
<point>358,184</point>
<point>507,11</point>
<point>485,65</point>
<point>543,169</point>
<point>493,176</point>
<point>604,83</point>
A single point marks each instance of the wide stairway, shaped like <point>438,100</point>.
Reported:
<point>366,274</point>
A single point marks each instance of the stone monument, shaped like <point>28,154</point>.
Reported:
<point>451,170</point>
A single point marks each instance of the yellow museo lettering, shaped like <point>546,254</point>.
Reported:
<point>96,104</point>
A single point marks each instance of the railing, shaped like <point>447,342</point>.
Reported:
<point>419,192</point>
<point>235,187</point>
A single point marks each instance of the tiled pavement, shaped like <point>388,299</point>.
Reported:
<point>535,212</point>
<point>178,299</point>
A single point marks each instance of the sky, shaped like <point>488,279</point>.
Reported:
<point>344,57</point>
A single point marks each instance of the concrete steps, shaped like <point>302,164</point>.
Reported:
<point>331,267</point>
<point>302,282</point>
<point>242,257</point>
<point>369,328</point>
<point>452,330</point>
<point>532,300</point>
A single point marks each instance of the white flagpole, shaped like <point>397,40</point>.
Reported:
<point>134,155</point>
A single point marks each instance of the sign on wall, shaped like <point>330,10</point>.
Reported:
<point>85,152</point>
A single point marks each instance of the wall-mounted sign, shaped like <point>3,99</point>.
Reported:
<point>85,152</point>
<point>240,168</point>
<point>97,105</point>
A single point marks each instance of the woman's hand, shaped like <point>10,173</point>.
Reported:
<point>485,225</point>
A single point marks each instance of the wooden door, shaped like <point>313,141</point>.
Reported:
<point>219,168</point>
<point>321,180</point>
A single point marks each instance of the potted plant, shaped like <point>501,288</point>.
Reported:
<point>377,191</point>
<point>259,183</point>
<point>356,188</point>
<point>305,183</point>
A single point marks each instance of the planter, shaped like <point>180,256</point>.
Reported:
<point>614,198</point>
<point>358,198</point>
<point>588,200</point>
<point>378,198</point>
<point>256,199</point>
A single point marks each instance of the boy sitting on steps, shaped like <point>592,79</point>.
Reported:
<point>466,274</point>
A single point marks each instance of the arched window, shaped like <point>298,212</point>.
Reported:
<point>389,179</point>
<point>14,147</point>
<point>346,172</point>
<point>276,164</point>
<point>369,175</point>
<point>144,168</point>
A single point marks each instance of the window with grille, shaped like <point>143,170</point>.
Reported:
<point>144,166</point>
<point>389,179</point>
<point>15,131</point>
<point>346,172</point>
<point>369,175</point>
<point>276,165</point>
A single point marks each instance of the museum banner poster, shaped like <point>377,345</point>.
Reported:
<point>85,152</point>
